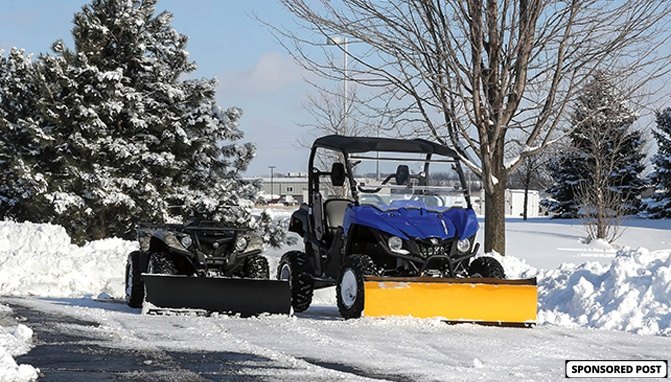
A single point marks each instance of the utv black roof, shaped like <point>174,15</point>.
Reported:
<point>364,144</point>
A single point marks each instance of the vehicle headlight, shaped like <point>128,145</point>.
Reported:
<point>255,243</point>
<point>187,241</point>
<point>173,242</point>
<point>464,245</point>
<point>395,243</point>
<point>240,244</point>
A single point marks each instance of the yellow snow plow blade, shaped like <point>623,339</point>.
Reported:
<point>478,300</point>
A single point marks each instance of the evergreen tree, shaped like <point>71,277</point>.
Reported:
<point>601,138</point>
<point>130,136</point>
<point>659,204</point>
<point>21,138</point>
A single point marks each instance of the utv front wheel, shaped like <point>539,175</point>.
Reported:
<point>486,267</point>
<point>292,269</point>
<point>349,290</point>
<point>161,264</point>
<point>134,284</point>
<point>256,267</point>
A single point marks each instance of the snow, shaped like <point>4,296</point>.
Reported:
<point>15,339</point>
<point>632,293</point>
<point>39,260</point>
<point>617,288</point>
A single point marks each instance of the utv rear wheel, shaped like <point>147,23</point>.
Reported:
<point>256,267</point>
<point>486,267</point>
<point>134,284</point>
<point>161,264</point>
<point>292,268</point>
<point>349,290</point>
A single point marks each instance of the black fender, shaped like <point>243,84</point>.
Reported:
<point>299,222</point>
<point>185,261</point>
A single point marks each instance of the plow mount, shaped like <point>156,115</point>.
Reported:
<point>244,297</point>
<point>485,301</point>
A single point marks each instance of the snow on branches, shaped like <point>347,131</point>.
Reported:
<point>118,130</point>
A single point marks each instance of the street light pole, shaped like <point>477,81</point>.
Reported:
<point>342,41</point>
<point>272,168</point>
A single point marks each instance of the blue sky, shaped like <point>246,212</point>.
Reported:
<point>253,70</point>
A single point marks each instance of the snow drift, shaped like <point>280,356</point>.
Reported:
<point>14,340</point>
<point>632,293</point>
<point>39,260</point>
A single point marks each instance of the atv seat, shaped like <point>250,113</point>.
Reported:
<point>334,212</point>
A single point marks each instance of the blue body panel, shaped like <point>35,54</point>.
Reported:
<point>414,221</point>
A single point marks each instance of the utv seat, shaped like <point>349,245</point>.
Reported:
<point>334,212</point>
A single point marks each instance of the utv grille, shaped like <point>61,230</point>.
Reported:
<point>429,248</point>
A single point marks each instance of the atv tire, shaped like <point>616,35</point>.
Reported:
<point>350,287</point>
<point>161,264</point>
<point>486,267</point>
<point>256,267</point>
<point>292,268</point>
<point>134,285</point>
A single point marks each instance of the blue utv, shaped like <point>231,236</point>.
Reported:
<point>390,224</point>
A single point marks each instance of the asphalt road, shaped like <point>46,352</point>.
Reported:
<point>64,351</point>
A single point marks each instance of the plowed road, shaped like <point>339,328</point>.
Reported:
<point>82,340</point>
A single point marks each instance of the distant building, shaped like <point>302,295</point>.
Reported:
<point>514,203</point>
<point>292,184</point>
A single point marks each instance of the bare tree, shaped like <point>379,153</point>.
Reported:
<point>490,77</point>
<point>532,172</point>
<point>601,204</point>
<point>332,112</point>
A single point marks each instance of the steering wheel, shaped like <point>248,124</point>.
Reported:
<point>426,197</point>
<point>375,190</point>
<point>377,198</point>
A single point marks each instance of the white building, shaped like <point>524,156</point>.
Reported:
<point>295,185</point>
<point>514,203</point>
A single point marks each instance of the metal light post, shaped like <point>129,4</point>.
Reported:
<point>342,41</point>
<point>272,169</point>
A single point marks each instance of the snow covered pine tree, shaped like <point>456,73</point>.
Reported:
<point>21,139</point>
<point>659,204</point>
<point>131,136</point>
<point>602,136</point>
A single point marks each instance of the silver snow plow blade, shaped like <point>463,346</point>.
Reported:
<point>246,297</point>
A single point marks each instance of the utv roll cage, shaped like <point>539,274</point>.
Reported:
<point>348,146</point>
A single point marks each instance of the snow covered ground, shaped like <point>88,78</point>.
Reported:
<point>15,339</point>
<point>622,288</point>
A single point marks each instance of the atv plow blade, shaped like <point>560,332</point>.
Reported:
<point>247,297</point>
<point>476,300</point>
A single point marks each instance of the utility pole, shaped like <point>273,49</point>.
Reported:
<point>272,189</point>
<point>342,41</point>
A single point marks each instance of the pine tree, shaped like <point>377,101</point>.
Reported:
<point>21,139</point>
<point>659,204</point>
<point>602,138</point>
<point>131,137</point>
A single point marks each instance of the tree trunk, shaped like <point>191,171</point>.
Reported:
<point>527,184</point>
<point>495,214</point>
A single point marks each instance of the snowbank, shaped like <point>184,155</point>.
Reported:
<point>14,340</point>
<point>632,293</point>
<point>39,260</point>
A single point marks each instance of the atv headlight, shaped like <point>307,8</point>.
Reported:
<point>187,241</point>
<point>395,243</point>
<point>173,242</point>
<point>255,243</point>
<point>464,245</point>
<point>240,244</point>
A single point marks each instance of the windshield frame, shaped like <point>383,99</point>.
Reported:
<point>351,159</point>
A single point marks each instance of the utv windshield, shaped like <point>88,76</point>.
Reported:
<point>390,180</point>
